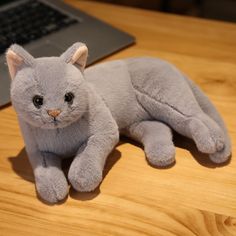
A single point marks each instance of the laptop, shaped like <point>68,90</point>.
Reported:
<point>47,28</point>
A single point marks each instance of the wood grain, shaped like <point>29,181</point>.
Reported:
<point>194,197</point>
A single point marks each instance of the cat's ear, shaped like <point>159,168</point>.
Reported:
<point>17,57</point>
<point>76,54</point>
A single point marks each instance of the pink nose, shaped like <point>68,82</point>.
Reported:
<point>53,113</point>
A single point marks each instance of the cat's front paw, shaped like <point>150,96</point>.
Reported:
<point>51,184</point>
<point>85,175</point>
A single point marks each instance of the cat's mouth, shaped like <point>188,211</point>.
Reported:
<point>55,121</point>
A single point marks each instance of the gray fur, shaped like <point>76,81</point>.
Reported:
<point>143,98</point>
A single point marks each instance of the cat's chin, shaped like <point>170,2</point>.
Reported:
<point>58,125</point>
<point>51,125</point>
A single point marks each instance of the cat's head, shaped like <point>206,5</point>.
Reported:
<point>48,92</point>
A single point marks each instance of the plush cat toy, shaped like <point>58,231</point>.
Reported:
<point>66,111</point>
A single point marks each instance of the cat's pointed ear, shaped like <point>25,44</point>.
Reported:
<point>76,54</point>
<point>17,57</point>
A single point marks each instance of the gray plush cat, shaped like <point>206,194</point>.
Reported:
<point>65,111</point>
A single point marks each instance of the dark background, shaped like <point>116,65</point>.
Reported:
<point>213,9</point>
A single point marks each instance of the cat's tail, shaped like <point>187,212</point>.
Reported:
<point>207,106</point>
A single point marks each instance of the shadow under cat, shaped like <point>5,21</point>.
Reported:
<point>21,166</point>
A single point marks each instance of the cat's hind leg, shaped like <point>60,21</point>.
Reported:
<point>185,116</point>
<point>167,96</point>
<point>156,138</point>
<point>207,106</point>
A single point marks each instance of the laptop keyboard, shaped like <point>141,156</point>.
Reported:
<point>30,21</point>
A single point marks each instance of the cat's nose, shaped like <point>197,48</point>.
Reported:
<point>54,113</point>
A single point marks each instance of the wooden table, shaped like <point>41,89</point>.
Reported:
<point>194,197</point>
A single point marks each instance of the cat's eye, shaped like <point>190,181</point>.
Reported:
<point>69,97</point>
<point>38,101</point>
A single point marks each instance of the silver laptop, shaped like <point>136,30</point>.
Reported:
<point>47,28</point>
